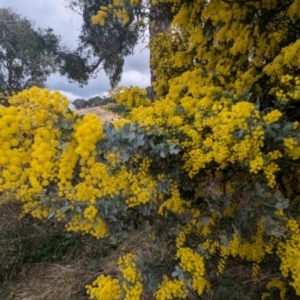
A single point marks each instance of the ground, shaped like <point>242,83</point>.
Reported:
<point>105,115</point>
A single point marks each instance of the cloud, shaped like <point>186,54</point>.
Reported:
<point>134,78</point>
<point>52,14</point>
<point>140,60</point>
<point>70,96</point>
<point>97,86</point>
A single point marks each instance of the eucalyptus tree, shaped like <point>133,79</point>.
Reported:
<point>99,46</point>
<point>27,55</point>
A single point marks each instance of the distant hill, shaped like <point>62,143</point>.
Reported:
<point>92,102</point>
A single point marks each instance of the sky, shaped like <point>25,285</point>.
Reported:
<point>66,23</point>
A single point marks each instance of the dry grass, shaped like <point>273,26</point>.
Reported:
<point>11,250</point>
<point>105,115</point>
<point>66,281</point>
<point>51,282</point>
<point>9,212</point>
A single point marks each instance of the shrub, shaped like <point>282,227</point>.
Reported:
<point>212,165</point>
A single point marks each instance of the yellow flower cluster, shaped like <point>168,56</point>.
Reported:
<point>273,155</point>
<point>277,284</point>
<point>135,2</point>
<point>282,64</point>
<point>96,227</point>
<point>116,8</point>
<point>130,97</point>
<point>211,246</point>
<point>34,156</point>
<point>232,140</point>
<point>133,281</point>
<point>193,263</point>
<point>185,230</point>
<point>289,143</point>
<point>104,288</point>
<point>90,212</point>
<point>35,99</point>
<point>167,50</point>
<point>142,186</point>
<point>253,251</point>
<point>290,89</point>
<point>181,237</point>
<point>289,253</point>
<point>256,164</point>
<point>108,288</point>
<point>291,148</point>
<point>29,144</point>
<point>171,289</point>
<point>159,114</point>
<point>100,17</point>
<point>176,204</point>
<point>286,78</point>
<point>88,131</point>
<point>67,163</point>
<point>269,171</point>
<point>272,116</point>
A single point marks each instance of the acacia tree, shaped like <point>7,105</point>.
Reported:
<point>27,56</point>
<point>211,168</point>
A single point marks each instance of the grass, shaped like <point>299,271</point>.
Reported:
<point>48,281</point>
<point>39,260</point>
<point>66,281</point>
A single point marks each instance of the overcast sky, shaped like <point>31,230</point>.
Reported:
<point>54,14</point>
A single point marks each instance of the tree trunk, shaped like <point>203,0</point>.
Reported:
<point>159,22</point>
